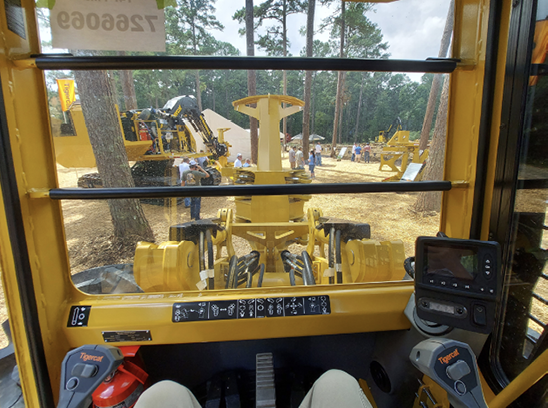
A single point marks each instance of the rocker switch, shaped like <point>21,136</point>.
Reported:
<point>458,370</point>
<point>84,370</point>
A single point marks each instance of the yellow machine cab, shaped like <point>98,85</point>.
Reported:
<point>196,209</point>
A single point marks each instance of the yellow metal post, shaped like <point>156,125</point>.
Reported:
<point>269,112</point>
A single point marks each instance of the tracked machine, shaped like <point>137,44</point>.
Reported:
<point>153,138</point>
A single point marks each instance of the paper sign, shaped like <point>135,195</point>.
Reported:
<point>341,154</point>
<point>109,25</point>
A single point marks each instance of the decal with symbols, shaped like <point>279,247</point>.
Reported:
<point>251,308</point>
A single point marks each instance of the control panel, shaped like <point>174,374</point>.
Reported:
<point>251,308</point>
<point>83,370</point>
<point>452,365</point>
<point>457,282</point>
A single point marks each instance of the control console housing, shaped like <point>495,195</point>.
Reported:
<point>457,282</point>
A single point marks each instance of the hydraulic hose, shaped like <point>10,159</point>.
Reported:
<point>292,276</point>
<point>409,265</point>
<point>292,265</point>
<point>308,274</point>
<point>330,252</point>
<point>231,279</point>
<point>210,258</point>
<point>261,275</point>
<point>338,256</point>
<point>249,279</point>
<point>201,256</point>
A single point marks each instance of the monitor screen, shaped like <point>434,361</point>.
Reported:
<point>452,261</point>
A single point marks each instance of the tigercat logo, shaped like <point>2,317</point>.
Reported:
<point>179,109</point>
<point>88,357</point>
<point>446,359</point>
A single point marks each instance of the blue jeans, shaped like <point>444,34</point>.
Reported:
<point>366,157</point>
<point>318,159</point>
<point>187,201</point>
<point>195,205</point>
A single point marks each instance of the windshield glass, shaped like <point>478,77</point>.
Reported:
<point>189,128</point>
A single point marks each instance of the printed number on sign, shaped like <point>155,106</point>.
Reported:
<point>107,22</point>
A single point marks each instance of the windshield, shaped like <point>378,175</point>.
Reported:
<point>182,129</point>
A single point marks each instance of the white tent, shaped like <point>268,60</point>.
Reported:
<point>236,136</point>
<point>313,137</point>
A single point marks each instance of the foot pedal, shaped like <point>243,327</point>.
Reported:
<point>265,388</point>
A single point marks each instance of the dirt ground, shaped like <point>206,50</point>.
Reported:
<point>88,226</point>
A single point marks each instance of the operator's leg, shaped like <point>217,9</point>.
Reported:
<point>167,394</point>
<point>335,388</point>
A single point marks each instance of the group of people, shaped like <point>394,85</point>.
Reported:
<point>238,161</point>
<point>191,172</point>
<point>357,152</point>
<point>297,161</point>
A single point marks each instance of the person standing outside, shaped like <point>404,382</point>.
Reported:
<point>238,161</point>
<point>292,159</point>
<point>353,152</point>
<point>202,161</point>
<point>366,153</point>
<point>184,166</point>
<point>311,164</point>
<point>318,154</point>
<point>192,177</point>
<point>358,153</point>
<point>299,158</point>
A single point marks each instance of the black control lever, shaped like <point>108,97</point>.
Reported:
<point>83,370</point>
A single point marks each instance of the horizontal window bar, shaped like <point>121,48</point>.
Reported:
<point>246,190</point>
<point>532,184</point>
<point>540,298</point>
<point>56,61</point>
<point>537,321</point>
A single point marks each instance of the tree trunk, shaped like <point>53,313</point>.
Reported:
<point>313,103</point>
<point>198,92</point>
<point>340,79</point>
<point>308,75</point>
<point>128,87</point>
<point>336,115</point>
<point>105,135</point>
<point>284,44</point>
<point>431,200</point>
<point>359,109</point>
<point>444,46</point>
<point>341,115</point>
<point>251,78</point>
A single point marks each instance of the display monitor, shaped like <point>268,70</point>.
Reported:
<point>457,282</point>
<point>457,261</point>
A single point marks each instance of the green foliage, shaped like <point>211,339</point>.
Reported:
<point>274,41</point>
<point>189,30</point>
